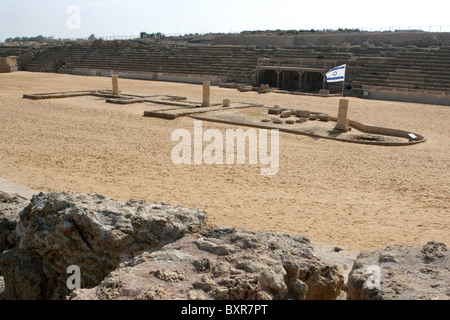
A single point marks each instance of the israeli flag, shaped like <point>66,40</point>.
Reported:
<point>337,74</point>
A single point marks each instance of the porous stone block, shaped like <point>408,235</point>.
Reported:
<point>286,114</point>
<point>303,113</point>
<point>245,88</point>
<point>275,111</point>
<point>324,117</point>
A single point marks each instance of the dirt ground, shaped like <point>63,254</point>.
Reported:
<point>355,196</point>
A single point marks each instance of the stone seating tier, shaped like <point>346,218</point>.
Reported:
<point>416,68</point>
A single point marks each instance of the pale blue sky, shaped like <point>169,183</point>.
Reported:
<point>130,17</point>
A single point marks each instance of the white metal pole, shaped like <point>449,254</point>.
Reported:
<point>343,82</point>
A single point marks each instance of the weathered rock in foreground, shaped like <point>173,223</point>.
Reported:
<point>406,273</point>
<point>140,250</point>
<point>224,264</point>
<point>10,207</point>
<point>57,230</point>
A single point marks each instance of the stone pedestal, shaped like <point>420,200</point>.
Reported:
<point>226,103</point>
<point>115,82</point>
<point>343,123</point>
<point>206,94</point>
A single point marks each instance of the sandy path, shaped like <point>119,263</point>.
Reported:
<point>355,196</point>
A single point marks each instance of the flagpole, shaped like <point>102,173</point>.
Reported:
<point>343,82</point>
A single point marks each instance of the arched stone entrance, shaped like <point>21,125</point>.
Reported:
<point>294,74</point>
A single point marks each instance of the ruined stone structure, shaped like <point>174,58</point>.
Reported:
<point>384,66</point>
<point>8,64</point>
<point>294,74</point>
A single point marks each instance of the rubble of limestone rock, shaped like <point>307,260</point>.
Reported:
<point>223,264</point>
<point>10,207</point>
<point>402,272</point>
<point>61,229</point>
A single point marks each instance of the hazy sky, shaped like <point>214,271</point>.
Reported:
<point>80,18</point>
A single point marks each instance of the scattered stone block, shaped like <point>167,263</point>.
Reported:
<point>265,120</point>
<point>275,111</point>
<point>245,88</point>
<point>264,88</point>
<point>290,121</point>
<point>303,114</point>
<point>277,121</point>
<point>226,103</point>
<point>324,117</point>
<point>286,114</point>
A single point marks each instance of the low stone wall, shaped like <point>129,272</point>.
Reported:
<point>376,38</point>
<point>156,76</point>
<point>9,64</point>
<point>408,95</point>
<point>262,41</point>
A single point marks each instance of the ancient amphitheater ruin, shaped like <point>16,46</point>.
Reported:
<point>102,141</point>
<point>407,66</point>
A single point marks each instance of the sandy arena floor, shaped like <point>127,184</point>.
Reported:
<point>355,196</point>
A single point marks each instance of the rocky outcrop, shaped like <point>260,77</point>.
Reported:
<point>57,230</point>
<point>146,251</point>
<point>10,207</point>
<point>401,272</point>
<point>223,264</point>
<point>140,250</point>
